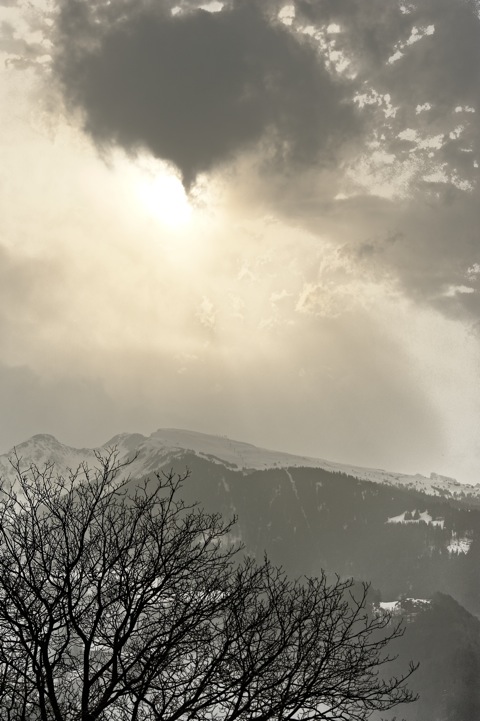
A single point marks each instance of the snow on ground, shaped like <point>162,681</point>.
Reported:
<point>404,606</point>
<point>42,449</point>
<point>390,606</point>
<point>459,545</point>
<point>240,455</point>
<point>424,517</point>
<point>246,456</point>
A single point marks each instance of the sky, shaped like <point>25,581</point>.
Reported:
<point>251,218</point>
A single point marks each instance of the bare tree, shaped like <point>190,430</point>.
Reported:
<point>120,602</point>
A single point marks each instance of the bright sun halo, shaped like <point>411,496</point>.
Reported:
<point>164,198</point>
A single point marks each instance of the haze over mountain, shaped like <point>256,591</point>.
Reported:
<point>258,216</point>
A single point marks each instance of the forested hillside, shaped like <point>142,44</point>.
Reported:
<point>308,519</point>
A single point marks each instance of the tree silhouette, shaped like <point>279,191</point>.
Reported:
<point>120,602</point>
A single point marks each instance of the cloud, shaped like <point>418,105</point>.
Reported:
<point>207,314</point>
<point>422,246</point>
<point>404,205</point>
<point>238,87</point>
<point>317,295</point>
<point>198,87</point>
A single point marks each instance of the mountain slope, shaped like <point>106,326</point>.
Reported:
<point>309,514</point>
<point>412,537</point>
<point>445,639</point>
<point>164,444</point>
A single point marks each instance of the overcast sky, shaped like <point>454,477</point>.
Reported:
<point>248,218</point>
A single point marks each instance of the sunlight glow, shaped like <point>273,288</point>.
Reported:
<point>164,198</point>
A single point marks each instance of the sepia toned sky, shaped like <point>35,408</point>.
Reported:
<point>252,218</point>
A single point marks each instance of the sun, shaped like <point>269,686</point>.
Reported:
<point>163,197</point>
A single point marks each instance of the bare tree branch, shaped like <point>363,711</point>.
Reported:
<point>120,602</point>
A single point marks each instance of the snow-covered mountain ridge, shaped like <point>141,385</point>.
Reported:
<point>150,453</point>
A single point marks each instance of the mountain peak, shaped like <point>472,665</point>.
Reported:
<point>46,438</point>
<point>129,441</point>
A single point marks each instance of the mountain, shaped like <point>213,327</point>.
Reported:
<point>164,444</point>
<point>406,534</point>
<point>445,639</point>
<point>416,539</point>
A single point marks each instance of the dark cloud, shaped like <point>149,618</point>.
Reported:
<point>197,87</point>
<point>430,249</point>
<point>368,29</point>
<point>200,89</point>
<point>432,131</point>
<point>445,66</point>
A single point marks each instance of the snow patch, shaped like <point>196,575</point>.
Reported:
<point>408,607</point>
<point>390,606</point>
<point>459,545</point>
<point>417,517</point>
